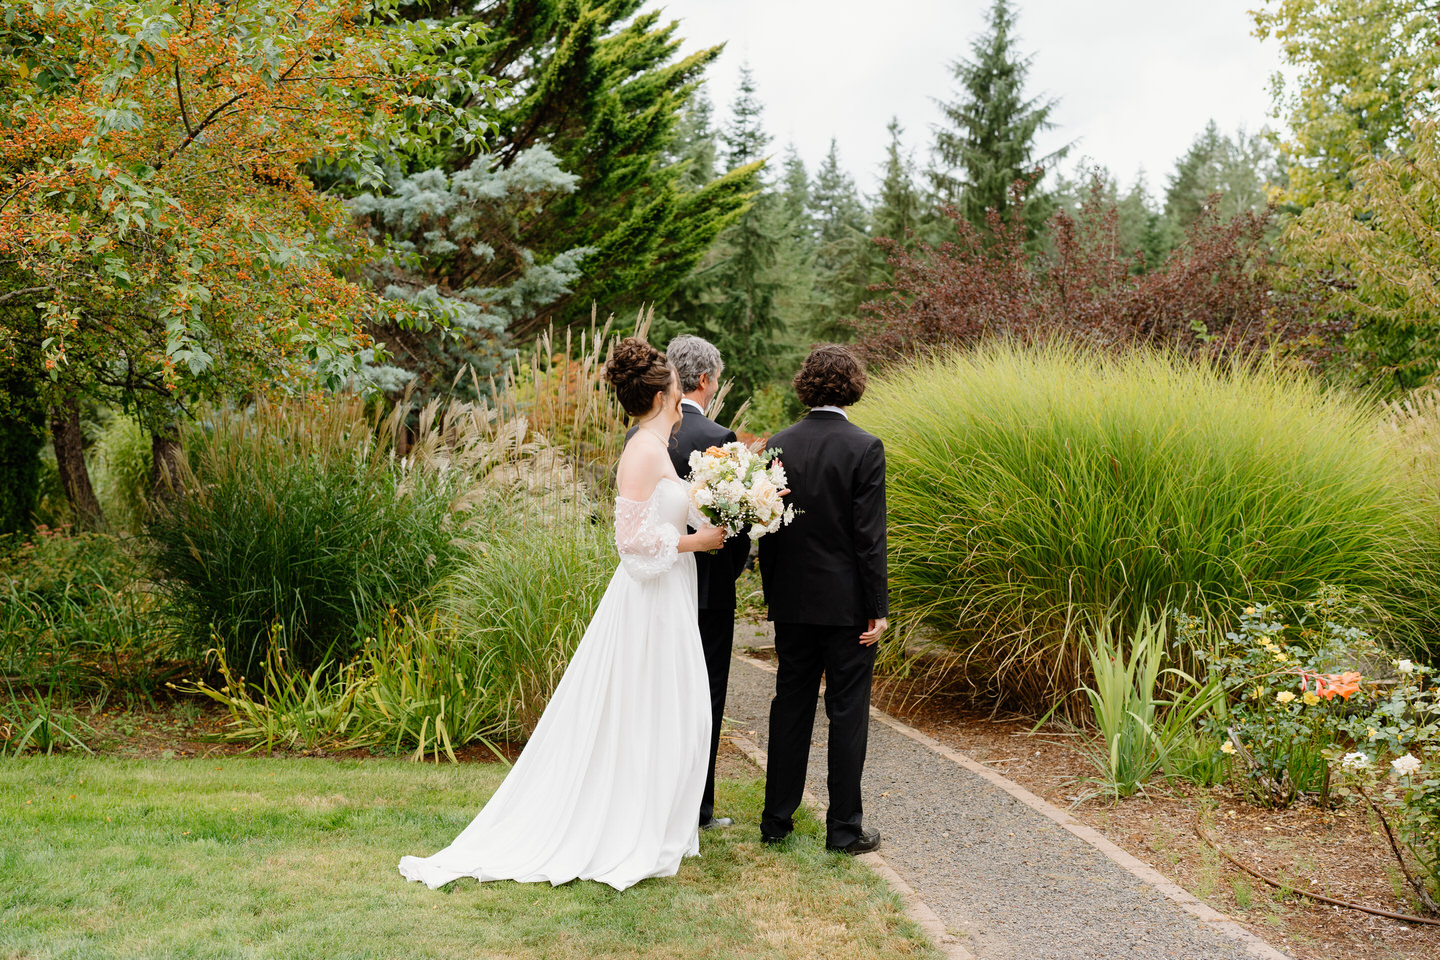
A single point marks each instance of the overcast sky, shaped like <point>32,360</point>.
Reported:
<point>1136,80</point>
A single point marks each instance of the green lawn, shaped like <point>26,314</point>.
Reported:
<point>295,858</point>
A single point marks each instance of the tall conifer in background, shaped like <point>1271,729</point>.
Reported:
<point>602,85</point>
<point>734,298</point>
<point>988,143</point>
<point>842,258</point>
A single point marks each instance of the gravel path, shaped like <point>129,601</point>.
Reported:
<point>1011,883</point>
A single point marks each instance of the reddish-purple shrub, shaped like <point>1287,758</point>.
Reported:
<point>1214,295</point>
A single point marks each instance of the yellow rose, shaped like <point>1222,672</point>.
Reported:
<point>1311,698</point>
<point>1227,747</point>
<point>1284,696</point>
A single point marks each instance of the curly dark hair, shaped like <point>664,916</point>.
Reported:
<point>832,376</point>
<point>637,371</point>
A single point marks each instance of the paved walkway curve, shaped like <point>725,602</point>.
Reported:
<point>1010,882</point>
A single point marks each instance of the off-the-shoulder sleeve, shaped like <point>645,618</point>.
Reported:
<point>647,544</point>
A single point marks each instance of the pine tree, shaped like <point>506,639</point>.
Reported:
<point>1238,169</point>
<point>795,256</point>
<point>795,199</point>
<point>989,144</point>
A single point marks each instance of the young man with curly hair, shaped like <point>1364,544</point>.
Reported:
<point>825,584</point>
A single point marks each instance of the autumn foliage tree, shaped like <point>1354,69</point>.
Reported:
<point>160,234</point>
<point>1212,296</point>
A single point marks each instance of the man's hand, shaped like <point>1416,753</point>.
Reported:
<point>872,636</point>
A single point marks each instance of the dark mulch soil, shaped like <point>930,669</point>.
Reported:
<point>1339,852</point>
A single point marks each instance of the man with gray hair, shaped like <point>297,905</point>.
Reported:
<point>699,365</point>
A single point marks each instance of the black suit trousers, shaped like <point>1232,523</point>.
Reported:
<point>806,653</point>
<point>717,633</point>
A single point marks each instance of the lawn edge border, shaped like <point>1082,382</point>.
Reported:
<point>915,908</point>
<point>1138,868</point>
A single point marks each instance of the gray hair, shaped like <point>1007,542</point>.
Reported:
<point>691,357</point>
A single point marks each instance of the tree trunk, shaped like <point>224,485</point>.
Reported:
<point>70,459</point>
<point>165,462</point>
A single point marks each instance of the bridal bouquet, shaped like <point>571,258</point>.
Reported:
<point>735,487</point>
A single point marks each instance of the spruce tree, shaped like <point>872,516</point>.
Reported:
<point>842,260</point>
<point>795,256</point>
<point>899,208</point>
<point>989,144</point>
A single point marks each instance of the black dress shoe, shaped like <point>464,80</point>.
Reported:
<point>867,841</point>
<point>714,822</point>
<point>773,838</point>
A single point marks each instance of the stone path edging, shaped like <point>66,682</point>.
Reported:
<point>1211,917</point>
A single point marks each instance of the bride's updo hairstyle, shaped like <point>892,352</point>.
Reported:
<point>637,371</point>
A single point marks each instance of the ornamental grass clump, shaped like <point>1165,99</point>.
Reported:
<point>1032,490</point>
<point>317,517</point>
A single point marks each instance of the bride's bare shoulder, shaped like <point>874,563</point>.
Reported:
<point>642,464</point>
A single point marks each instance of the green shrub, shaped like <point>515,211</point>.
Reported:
<point>1032,490</point>
<point>480,669</point>
<point>75,616</point>
<point>305,515</point>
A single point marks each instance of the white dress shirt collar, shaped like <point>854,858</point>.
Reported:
<point>698,409</point>
<point>839,410</point>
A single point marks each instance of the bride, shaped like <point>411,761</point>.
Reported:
<point>608,786</point>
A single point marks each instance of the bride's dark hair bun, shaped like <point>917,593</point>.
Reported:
<point>637,371</point>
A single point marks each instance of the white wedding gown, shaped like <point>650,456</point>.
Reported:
<point>609,786</point>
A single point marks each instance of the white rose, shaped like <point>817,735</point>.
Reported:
<point>766,500</point>
<point>1355,761</point>
<point>703,497</point>
<point>1406,765</point>
<point>1405,666</point>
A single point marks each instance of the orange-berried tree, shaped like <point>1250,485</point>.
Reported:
<point>160,237</point>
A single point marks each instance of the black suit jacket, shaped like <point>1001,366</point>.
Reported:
<point>715,573</point>
<point>828,566</point>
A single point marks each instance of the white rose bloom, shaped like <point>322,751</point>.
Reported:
<point>1355,761</point>
<point>703,497</point>
<point>1406,765</point>
<point>1405,666</point>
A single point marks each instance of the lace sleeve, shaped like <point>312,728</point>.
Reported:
<point>647,544</point>
<point>694,517</point>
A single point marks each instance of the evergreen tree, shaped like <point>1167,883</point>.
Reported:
<point>603,86</point>
<point>842,260</point>
<point>795,257</point>
<point>898,208</point>
<point>694,142</point>
<point>448,236</point>
<point>989,144</point>
<point>795,199</point>
<point>734,298</point>
<point>1239,169</point>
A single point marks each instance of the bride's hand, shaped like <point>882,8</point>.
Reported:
<point>707,538</point>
